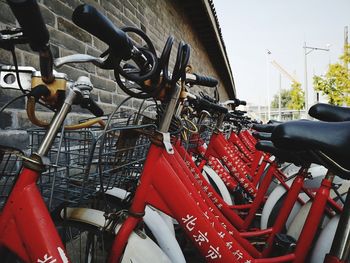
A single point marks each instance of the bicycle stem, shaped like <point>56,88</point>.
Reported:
<point>56,124</point>
<point>220,122</point>
<point>170,109</point>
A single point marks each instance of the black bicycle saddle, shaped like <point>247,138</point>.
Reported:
<point>328,141</point>
<point>331,113</point>
<point>299,158</point>
<point>266,136</point>
<point>265,127</point>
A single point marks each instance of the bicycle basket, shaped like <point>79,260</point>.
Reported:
<point>10,165</point>
<point>121,156</point>
<point>205,130</point>
<point>68,178</point>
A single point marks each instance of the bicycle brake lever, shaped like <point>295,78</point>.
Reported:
<point>79,58</point>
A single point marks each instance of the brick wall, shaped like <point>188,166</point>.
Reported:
<point>158,18</point>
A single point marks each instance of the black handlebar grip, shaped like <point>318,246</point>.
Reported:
<point>92,106</point>
<point>207,105</point>
<point>205,81</point>
<point>90,19</point>
<point>28,14</point>
<point>242,102</point>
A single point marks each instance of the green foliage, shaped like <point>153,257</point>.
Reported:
<point>336,83</point>
<point>285,98</point>
<point>297,97</point>
<point>292,99</point>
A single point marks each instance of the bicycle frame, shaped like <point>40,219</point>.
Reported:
<point>26,227</point>
<point>220,148</point>
<point>197,220</point>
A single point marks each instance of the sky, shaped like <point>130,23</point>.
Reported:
<point>251,27</point>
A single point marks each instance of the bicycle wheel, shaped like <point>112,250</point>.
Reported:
<point>84,242</point>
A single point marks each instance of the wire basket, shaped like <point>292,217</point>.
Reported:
<point>121,156</point>
<point>85,162</point>
<point>10,166</point>
<point>68,177</point>
<point>205,130</point>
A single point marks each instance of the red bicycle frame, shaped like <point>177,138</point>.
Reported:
<point>26,227</point>
<point>185,204</point>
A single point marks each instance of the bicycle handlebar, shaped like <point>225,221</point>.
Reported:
<point>203,104</point>
<point>92,106</point>
<point>29,17</point>
<point>31,21</point>
<point>195,79</point>
<point>235,102</point>
<point>91,20</point>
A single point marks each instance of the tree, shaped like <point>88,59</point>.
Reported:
<point>285,98</point>
<point>297,97</point>
<point>335,84</point>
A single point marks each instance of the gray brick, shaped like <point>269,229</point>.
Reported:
<point>8,94</point>
<point>110,7</point>
<point>79,109</point>
<point>129,20</point>
<point>103,73</point>
<point>14,138</point>
<point>6,14</point>
<point>128,7</point>
<point>96,4</point>
<point>58,6</point>
<point>71,29</point>
<point>105,97</point>
<point>142,18</point>
<point>5,57</point>
<point>98,44</point>
<point>107,108</point>
<point>6,120</point>
<point>24,47</point>
<point>93,52</point>
<point>94,95</point>
<point>103,84</point>
<point>72,3</point>
<point>54,50</point>
<point>65,40</point>
<point>24,123</point>
<point>73,73</point>
<point>30,59</point>
<point>116,19</point>
<point>117,99</point>
<point>49,17</point>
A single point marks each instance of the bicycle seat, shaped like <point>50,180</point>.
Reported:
<point>331,113</point>
<point>274,121</point>
<point>265,127</point>
<point>266,136</point>
<point>329,142</point>
<point>298,158</point>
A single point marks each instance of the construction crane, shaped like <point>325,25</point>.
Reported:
<point>285,73</point>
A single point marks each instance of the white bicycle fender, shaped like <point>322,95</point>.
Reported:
<point>140,248</point>
<point>161,226</point>
<point>318,172</point>
<point>219,183</point>
<point>324,241</point>
<point>296,226</point>
<point>272,200</point>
